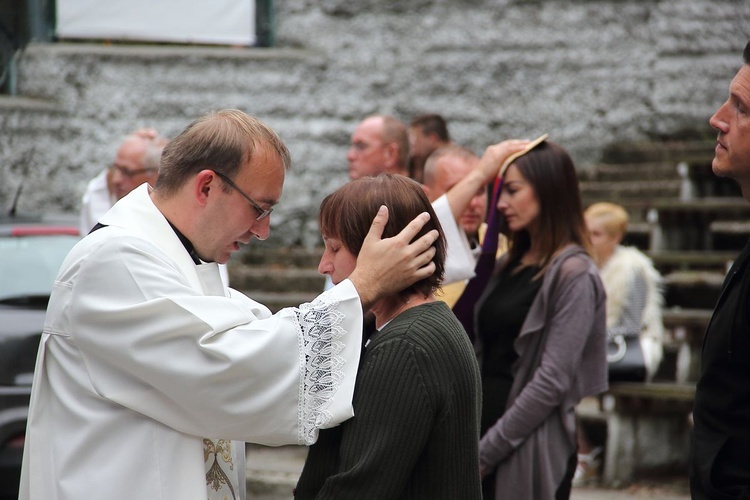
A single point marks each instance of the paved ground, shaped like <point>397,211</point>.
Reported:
<point>272,473</point>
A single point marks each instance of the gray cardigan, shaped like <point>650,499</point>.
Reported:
<point>562,358</point>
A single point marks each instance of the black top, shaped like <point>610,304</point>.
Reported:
<point>721,413</point>
<point>499,322</point>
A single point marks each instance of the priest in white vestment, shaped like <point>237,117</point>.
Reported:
<point>151,373</point>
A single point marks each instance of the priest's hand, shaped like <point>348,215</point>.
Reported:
<point>388,265</point>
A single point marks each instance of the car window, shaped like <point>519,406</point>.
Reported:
<point>29,264</point>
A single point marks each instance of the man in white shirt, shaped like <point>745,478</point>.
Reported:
<point>136,162</point>
<point>443,170</point>
<point>149,368</point>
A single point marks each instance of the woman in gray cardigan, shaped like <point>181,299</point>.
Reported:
<point>540,332</point>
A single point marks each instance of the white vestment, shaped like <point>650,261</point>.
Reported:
<point>139,361</point>
<point>97,201</point>
<point>460,261</point>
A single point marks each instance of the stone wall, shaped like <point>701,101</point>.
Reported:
<point>590,73</point>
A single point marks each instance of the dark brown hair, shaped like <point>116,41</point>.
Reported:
<point>347,215</point>
<point>746,54</point>
<point>432,123</point>
<point>223,141</point>
<point>550,171</point>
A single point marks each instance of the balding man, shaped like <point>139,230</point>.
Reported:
<point>444,169</point>
<point>379,144</point>
<point>136,162</point>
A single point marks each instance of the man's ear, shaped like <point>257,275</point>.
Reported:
<point>390,152</point>
<point>205,184</point>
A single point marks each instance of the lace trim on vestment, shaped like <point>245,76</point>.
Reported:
<point>320,346</point>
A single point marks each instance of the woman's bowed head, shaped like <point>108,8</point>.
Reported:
<point>346,216</point>
<point>541,205</point>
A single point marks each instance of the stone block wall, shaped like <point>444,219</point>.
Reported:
<point>590,73</point>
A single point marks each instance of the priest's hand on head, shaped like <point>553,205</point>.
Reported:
<point>387,266</point>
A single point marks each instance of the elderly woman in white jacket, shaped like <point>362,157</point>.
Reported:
<point>634,301</point>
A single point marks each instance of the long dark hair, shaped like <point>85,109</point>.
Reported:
<point>550,171</point>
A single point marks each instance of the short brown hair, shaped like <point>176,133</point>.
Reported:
<point>347,215</point>
<point>432,123</point>
<point>394,131</point>
<point>222,141</point>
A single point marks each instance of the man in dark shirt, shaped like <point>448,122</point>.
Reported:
<point>721,438</point>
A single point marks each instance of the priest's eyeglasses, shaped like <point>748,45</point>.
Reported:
<point>262,212</point>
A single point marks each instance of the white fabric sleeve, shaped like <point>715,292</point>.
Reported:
<point>205,365</point>
<point>459,260</point>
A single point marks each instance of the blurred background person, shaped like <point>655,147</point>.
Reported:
<point>634,287</point>
<point>379,144</point>
<point>427,133</point>
<point>540,332</point>
<point>416,399</point>
<point>136,162</point>
<point>634,309</point>
<point>445,168</point>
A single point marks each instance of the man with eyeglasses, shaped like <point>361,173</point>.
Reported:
<point>136,162</point>
<point>149,368</point>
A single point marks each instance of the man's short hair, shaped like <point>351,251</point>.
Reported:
<point>746,54</point>
<point>347,215</point>
<point>432,123</point>
<point>223,141</point>
<point>394,131</point>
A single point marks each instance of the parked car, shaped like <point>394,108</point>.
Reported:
<point>31,252</point>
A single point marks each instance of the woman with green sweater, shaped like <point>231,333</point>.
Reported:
<point>415,431</point>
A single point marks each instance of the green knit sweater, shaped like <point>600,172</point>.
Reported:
<point>415,431</point>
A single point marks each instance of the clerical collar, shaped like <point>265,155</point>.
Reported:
<point>183,239</point>
<point>186,243</point>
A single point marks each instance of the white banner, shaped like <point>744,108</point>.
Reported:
<point>226,22</point>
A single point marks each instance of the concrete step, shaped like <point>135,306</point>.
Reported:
<point>613,191</point>
<point>670,261</point>
<point>260,254</point>
<point>655,171</point>
<point>275,278</point>
<point>661,151</point>
<point>692,289</point>
<point>272,472</point>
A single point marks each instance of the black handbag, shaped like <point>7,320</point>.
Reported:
<point>625,359</point>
